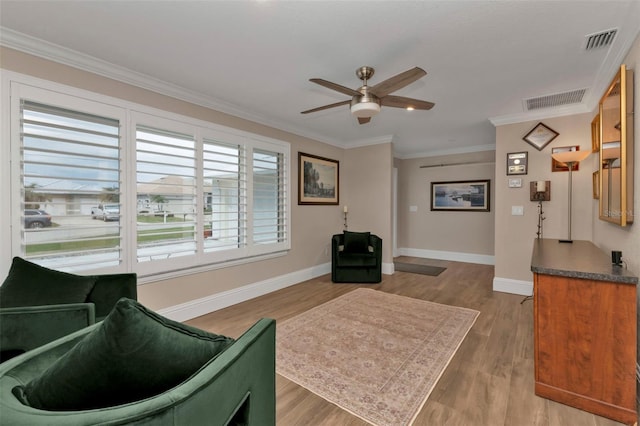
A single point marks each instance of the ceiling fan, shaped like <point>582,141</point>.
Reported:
<point>366,101</point>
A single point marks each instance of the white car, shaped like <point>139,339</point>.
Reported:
<point>106,212</point>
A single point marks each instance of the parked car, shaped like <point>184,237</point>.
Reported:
<point>106,212</point>
<point>35,219</point>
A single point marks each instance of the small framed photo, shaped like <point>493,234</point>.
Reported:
<point>469,195</point>
<point>318,180</point>
<point>540,136</point>
<point>517,163</point>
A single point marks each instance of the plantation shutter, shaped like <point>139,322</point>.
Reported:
<point>70,162</point>
<point>166,194</point>
<point>224,195</point>
<point>269,197</point>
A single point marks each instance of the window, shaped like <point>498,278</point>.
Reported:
<point>224,196</point>
<point>170,194</point>
<point>166,194</point>
<point>268,197</point>
<point>70,164</point>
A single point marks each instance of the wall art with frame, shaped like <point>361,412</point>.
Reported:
<point>318,180</point>
<point>468,195</point>
<point>540,136</point>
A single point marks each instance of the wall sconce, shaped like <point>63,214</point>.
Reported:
<point>346,211</point>
<point>540,191</point>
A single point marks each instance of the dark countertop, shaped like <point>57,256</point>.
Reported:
<point>580,259</point>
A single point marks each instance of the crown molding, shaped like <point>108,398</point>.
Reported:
<point>540,115</point>
<point>370,141</point>
<point>608,69</point>
<point>62,55</point>
<point>451,151</point>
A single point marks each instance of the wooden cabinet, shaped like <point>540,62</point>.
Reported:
<point>585,329</point>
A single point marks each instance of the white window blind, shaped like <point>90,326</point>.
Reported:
<point>104,186</point>
<point>224,196</point>
<point>70,163</point>
<point>269,197</point>
<point>166,194</point>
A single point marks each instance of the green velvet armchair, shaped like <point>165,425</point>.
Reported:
<point>234,387</point>
<point>39,305</point>
<point>356,257</point>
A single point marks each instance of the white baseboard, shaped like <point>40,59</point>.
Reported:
<point>507,285</point>
<point>205,305</point>
<point>449,255</point>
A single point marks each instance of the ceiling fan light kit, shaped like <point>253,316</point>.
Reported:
<point>367,101</point>
<point>365,109</point>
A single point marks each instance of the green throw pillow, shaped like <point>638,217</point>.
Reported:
<point>356,242</point>
<point>29,284</point>
<point>134,354</point>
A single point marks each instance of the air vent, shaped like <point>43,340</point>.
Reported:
<point>557,99</point>
<point>601,39</point>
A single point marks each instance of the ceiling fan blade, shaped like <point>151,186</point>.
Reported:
<point>402,102</point>
<point>364,120</point>
<point>326,107</point>
<point>336,87</point>
<point>397,82</point>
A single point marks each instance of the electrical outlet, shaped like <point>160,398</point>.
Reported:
<point>517,211</point>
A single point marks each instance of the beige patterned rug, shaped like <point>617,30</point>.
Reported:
<point>375,354</point>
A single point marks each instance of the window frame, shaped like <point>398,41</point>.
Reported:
<point>18,86</point>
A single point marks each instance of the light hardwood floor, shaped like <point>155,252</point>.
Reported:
<point>490,380</point>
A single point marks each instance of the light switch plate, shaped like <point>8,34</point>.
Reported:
<point>517,211</point>
<point>413,208</point>
<point>515,183</point>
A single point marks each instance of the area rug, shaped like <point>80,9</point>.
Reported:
<point>419,269</point>
<point>374,354</point>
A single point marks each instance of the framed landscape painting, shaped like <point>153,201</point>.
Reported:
<point>318,180</point>
<point>468,195</point>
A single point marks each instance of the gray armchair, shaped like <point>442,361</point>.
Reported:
<point>39,305</point>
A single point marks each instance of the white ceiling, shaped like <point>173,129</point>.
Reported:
<point>254,58</point>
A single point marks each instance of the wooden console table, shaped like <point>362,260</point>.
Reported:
<point>584,329</point>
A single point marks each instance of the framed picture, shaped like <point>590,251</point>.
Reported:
<point>557,166</point>
<point>318,180</point>
<point>465,195</point>
<point>517,163</point>
<point>540,136</point>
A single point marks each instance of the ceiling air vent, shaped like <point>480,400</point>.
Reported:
<point>601,39</point>
<point>557,99</point>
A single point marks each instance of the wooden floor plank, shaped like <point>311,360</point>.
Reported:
<point>488,382</point>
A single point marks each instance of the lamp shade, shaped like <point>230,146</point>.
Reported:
<point>570,156</point>
<point>365,109</point>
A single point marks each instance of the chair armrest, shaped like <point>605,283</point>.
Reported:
<point>240,380</point>
<point>26,328</point>
<point>109,288</point>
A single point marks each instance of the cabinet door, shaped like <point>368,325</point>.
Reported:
<point>585,344</point>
